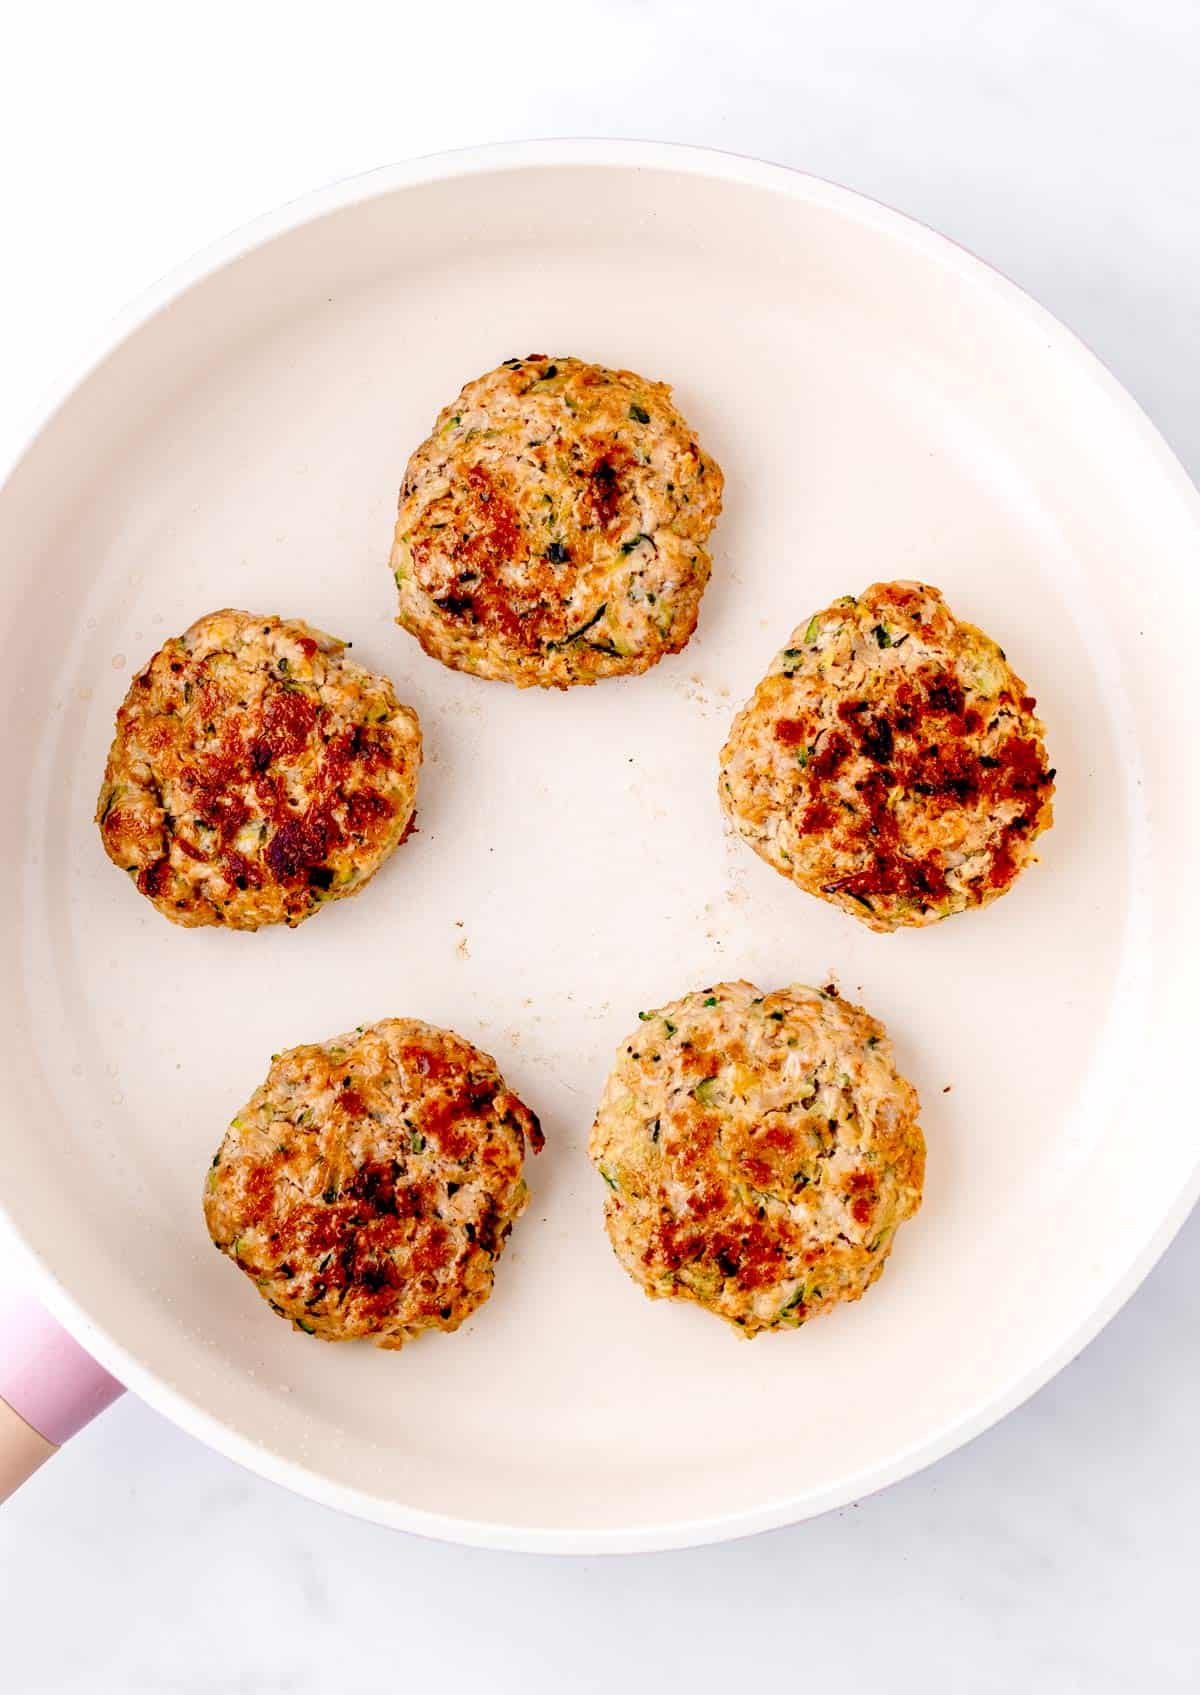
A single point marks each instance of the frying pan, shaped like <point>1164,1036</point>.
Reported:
<point>884,405</point>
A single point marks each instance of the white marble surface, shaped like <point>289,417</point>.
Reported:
<point>1058,138</point>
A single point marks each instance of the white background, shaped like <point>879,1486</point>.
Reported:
<point>1059,140</point>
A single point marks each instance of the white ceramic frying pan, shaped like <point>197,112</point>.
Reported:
<point>883,405</point>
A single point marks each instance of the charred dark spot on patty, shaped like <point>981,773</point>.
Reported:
<point>604,486</point>
<point>340,1211</point>
<point>922,741</point>
<point>299,848</point>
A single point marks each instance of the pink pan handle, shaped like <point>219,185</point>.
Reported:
<point>49,1389</point>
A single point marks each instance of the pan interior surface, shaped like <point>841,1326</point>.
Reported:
<point>883,406</point>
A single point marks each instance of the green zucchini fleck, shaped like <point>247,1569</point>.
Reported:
<point>583,628</point>
<point>881,636</point>
<point>639,414</point>
<point>810,635</point>
<point>790,1306</point>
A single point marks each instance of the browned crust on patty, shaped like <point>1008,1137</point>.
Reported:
<point>370,1183</point>
<point>891,761</point>
<point>551,528</point>
<point>760,1152</point>
<point>256,773</point>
